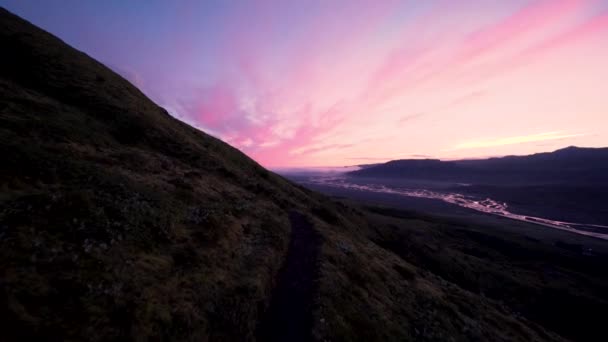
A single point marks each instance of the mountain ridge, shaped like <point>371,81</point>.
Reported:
<point>567,164</point>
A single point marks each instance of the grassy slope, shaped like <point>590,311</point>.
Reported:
<point>119,222</point>
<point>553,278</point>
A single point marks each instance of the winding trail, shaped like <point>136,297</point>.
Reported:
<point>289,316</point>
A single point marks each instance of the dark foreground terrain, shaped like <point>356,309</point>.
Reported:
<point>118,222</point>
<point>550,277</point>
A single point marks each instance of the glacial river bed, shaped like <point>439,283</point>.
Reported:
<point>485,205</point>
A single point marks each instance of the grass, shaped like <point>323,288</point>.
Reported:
<point>555,284</point>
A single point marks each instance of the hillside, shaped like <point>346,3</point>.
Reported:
<point>119,222</point>
<point>571,165</point>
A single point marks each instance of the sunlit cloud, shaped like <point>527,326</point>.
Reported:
<point>522,139</point>
<point>383,159</point>
<point>321,83</point>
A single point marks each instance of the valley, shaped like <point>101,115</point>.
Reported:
<point>443,192</point>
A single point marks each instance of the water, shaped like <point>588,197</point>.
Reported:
<point>485,205</point>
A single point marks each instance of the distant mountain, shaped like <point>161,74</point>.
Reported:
<point>571,164</point>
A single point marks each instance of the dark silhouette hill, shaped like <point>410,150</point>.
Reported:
<point>119,222</point>
<point>572,165</point>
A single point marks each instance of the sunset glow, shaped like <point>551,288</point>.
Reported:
<point>328,83</point>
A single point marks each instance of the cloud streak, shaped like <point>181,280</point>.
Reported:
<point>521,139</point>
<point>315,88</point>
<point>305,83</point>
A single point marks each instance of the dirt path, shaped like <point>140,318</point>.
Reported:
<point>289,316</point>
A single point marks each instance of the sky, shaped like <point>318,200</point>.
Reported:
<point>331,82</point>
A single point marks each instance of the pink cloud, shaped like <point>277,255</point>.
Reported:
<point>304,83</point>
<point>339,83</point>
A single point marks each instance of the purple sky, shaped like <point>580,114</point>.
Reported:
<point>322,83</point>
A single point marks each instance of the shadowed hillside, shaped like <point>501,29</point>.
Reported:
<point>119,222</point>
